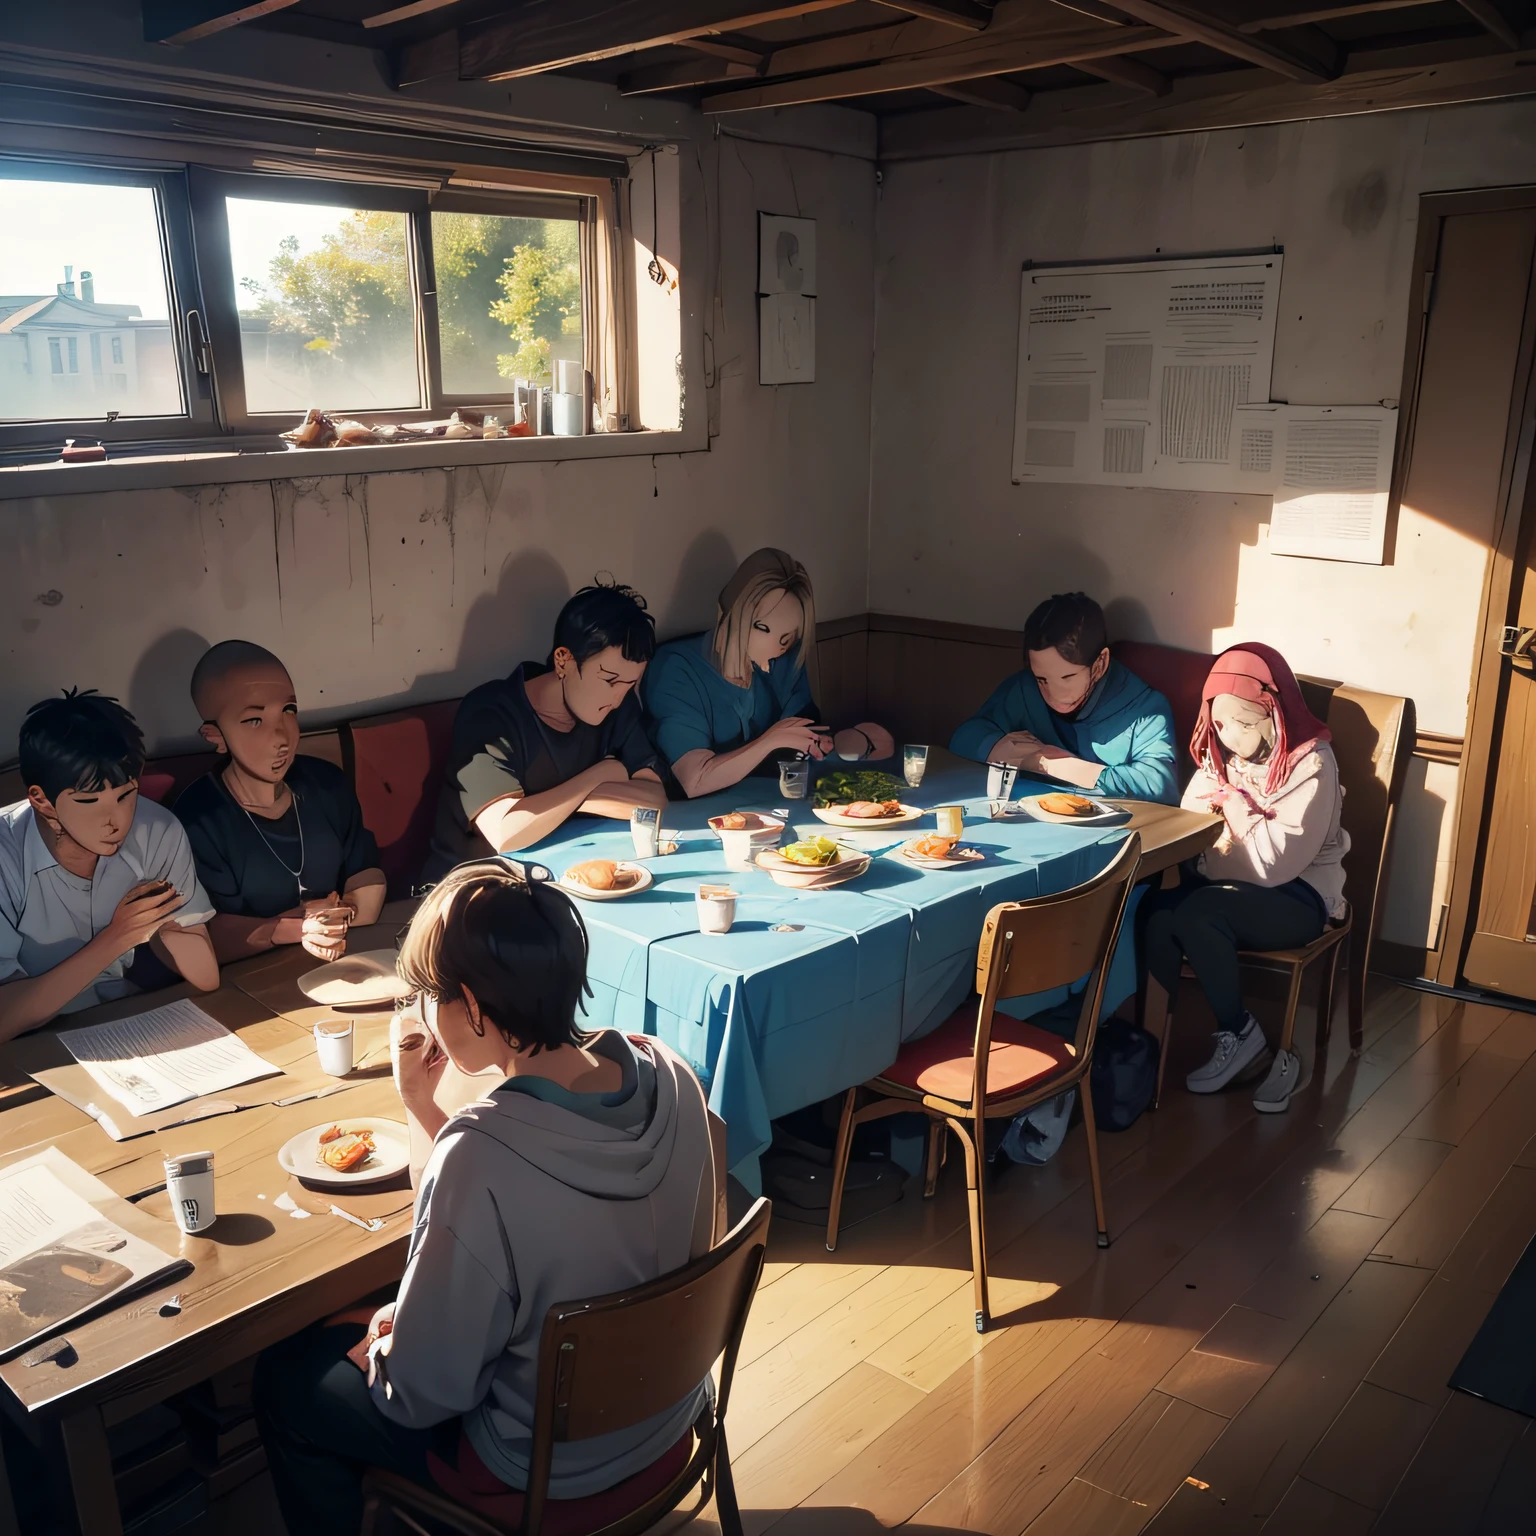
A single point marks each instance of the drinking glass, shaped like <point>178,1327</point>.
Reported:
<point>950,820</point>
<point>914,763</point>
<point>645,829</point>
<point>795,779</point>
<point>1000,777</point>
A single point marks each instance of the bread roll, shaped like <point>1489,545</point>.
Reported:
<point>1067,805</point>
<point>599,875</point>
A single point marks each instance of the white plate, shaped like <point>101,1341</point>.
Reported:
<point>1106,816</point>
<point>355,981</point>
<point>835,818</point>
<point>586,893</point>
<point>957,860</point>
<point>813,877</point>
<point>299,1155</point>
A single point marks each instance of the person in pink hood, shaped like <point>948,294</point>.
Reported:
<point>1275,876</point>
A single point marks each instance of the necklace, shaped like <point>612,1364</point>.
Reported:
<point>298,874</point>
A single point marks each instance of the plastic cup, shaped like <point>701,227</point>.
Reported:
<point>645,829</point>
<point>737,848</point>
<point>189,1183</point>
<point>950,820</point>
<point>795,780</point>
<point>333,1045</point>
<point>716,907</point>
<point>1000,777</point>
<point>914,763</point>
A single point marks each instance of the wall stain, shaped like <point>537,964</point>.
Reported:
<point>1361,204</point>
<point>49,599</point>
<point>355,489</point>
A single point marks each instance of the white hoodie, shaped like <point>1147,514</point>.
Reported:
<point>1294,834</point>
<point>526,1202</point>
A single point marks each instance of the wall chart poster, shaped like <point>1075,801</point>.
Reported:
<point>1132,373</point>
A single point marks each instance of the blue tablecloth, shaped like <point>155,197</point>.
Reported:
<point>775,1020</point>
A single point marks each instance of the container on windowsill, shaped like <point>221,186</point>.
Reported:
<point>78,451</point>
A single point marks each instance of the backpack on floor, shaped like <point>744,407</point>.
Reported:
<point>1123,1077</point>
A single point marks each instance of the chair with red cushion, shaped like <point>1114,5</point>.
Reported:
<point>396,763</point>
<point>605,1365</point>
<point>980,1065</point>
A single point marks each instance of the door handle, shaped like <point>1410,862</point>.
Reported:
<point>1516,642</point>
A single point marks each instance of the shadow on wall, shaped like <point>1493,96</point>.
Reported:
<point>513,624</point>
<point>707,564</point>
<point>159,690</point>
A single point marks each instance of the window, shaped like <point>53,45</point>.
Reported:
<point>160,305</point>
<point>86,254</point>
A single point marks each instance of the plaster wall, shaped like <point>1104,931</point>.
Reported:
<point>382,589</point>
<point>952,538</point>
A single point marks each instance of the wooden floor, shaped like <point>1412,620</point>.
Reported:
<point>1264,1347</point>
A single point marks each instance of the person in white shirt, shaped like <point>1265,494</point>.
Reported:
<point>1275,877</point>
<point>99,895</point>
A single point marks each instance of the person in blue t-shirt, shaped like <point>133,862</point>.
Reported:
<point>720,704</point>
<point>1075,715</point>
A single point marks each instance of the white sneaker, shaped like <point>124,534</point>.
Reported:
<point>1234,1055</point>
<point>1273,1096</point>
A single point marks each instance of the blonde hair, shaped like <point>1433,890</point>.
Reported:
<point>757,578</point>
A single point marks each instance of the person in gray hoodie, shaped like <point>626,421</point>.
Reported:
<point>586,1169</point>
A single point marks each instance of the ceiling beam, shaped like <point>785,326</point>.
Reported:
<point>1139,77</point>
<point>1302,56</point>
<point>986,53</point>
<point>953,13</point>
<point>184,21</point>
<point>429,58</point>
<point>702,70</point>
<point>1492,19</point>
<point>407,12</point>
<point>552,34</point>
<point>756,57</point>
<point>1278,14</point>
<point>870,46</point>
<point>995,95</point>
<point>1392,79</point>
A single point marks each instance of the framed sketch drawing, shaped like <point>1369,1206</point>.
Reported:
<point>786,351</point>
<point>786,254</point>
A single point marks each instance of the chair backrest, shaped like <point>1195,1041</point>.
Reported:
<point>396,763</point>
<point>1053,941</point>
<point>1373,740</point>
<point>617,1360</point>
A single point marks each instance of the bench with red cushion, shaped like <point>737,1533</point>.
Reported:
<point>396,763</point>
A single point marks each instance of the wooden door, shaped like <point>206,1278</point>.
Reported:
<point>1483,333</point>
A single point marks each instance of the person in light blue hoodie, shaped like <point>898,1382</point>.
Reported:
<point>1074,714</point>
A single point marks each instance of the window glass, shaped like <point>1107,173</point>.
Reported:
<point>508,299</point>
<point>326,312</point>
<point>79,262</point>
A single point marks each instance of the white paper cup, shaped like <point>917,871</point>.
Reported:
<point>333,1045</point>
<point>738,848</point>
<point>645,835</point>
<point>189,1183</point>
<point>717,911</point>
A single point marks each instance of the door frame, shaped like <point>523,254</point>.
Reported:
<point>1479,753</point>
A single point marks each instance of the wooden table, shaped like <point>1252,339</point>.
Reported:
<point>259,1274</point>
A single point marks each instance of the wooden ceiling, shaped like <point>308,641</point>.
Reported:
<point>1021,61</point>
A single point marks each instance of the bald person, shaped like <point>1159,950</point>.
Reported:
<point>278,838</point>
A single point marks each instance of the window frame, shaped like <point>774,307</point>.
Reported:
<point>197,419</point>
<point>210,188</point>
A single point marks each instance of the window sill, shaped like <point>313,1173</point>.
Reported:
<point>223,462</point>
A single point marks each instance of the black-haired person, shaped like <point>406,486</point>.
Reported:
<point>1075,714</point>
<point>279,838</point>
<point>531,750</point>
<point>99,895</point>
<point>586,1169</point>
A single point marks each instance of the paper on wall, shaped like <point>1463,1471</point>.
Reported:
<point>163,1057</point>
<point>1331,473</point>
<point>1132,373</point>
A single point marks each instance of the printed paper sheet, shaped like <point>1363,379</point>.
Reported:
<point>1132,374</point>
<point>163,1057</point>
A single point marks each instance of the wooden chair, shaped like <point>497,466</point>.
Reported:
<point>604,1365</point>
<point>980,1065</point>
<point>1373,738</point>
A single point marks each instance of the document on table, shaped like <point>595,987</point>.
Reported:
<point>166,1056</point>
<point>1131,373</point>
<point>1331,471</point>
<point>61,1254</point>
